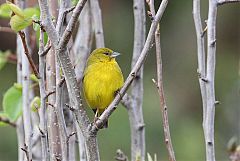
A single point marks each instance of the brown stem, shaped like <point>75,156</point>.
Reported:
<point>26,51</point>
<point>25,149</point>
<point>7,121</point>
<point>159,85</point>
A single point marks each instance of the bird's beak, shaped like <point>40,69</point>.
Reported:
<point>115,54</point>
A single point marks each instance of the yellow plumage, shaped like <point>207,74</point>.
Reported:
<point>102,79</point>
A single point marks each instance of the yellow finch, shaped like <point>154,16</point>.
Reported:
<point>102,79</point>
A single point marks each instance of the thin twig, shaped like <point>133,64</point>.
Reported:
<point>7,121</point>
<point>25,149</point>
<point>62,81</point>
<point>221,2</point>
<point>45,51</point>
<point>159,85</point>
<point>69,136</point>
<point>49,94</point>
<point>27,53</point>
<point>68,10</point>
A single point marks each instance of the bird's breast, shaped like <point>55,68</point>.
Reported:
<point>101,81</point>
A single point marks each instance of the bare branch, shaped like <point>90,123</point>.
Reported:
<point>25,94</point>
<point>81,50</point>
<point>135,113</point>
<point>81,143</point>
<point>43,97</point>
<point>97,23</point>
<point>210,74</point>
<point>69,136</point>
<point>19,122</point>
<point>20,138</point>
<point>26,51</point>
<point>206,78</point>
<point>45,51</point>
<point>59,89</point>
<point>49,94</point>
<point>221,2</point>
<point>159,85</point>
<point>7,121</point>
<point>25,149</point>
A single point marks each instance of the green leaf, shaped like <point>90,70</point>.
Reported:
<point>18,23</point>
<point>35,104</point>
<point>22,18</point>
<point>32,13</point>
<point>2,114</point>
<point>5,11</point>
<point>3,58</point>
<point>12,103</point>
<point>16,10</point>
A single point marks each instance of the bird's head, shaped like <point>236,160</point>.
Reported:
<point>103,55</point>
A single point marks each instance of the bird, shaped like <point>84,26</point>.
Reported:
<point>102,80</point>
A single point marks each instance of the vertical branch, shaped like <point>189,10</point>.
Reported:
<point>26,106</point>
<point>211,61</point>
<point>59,88</point>
<point>83,41</point>
<point>201,55</point>
<point>81,48</point>
<point>201,67</point>
<point>20,130</point>
<point>42,110</point>
<point>20,138</point>
<point>53,133</point>
<point>159,85</point>
<point>135,110</point>
<point>97,23</point>
<point>81,144</point>
<point>164,110</point>
<point>53,75</point>
<point>26,128</point>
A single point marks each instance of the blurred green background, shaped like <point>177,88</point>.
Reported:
<point>180,82</point>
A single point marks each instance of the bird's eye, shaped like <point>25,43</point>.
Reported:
<point>106,53</point>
